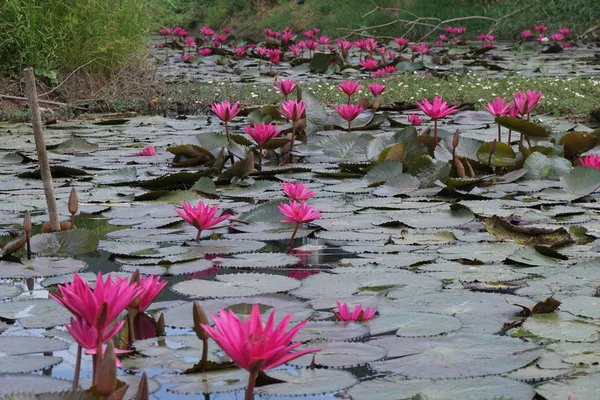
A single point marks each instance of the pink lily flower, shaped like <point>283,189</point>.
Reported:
<point>564,31</point>
<point>350,88</point>
<point>369,64</point>
<point>376,89</point>
<point>293,109</point>
<point>349,112</point>
<point>498,108</point>
<point>261,133</point>
<point>255,346</point>
<point>226,112</point>
<point>526,34</point>
<point>401,41</point>
<point>87,336</point>
<point>592,161</point>
<point>147,151</point>
<point>202,217</point>
<point>151,287</point>
<point>526,102</point>
<point>358,314</point>
<point>415,119</point>
<point>540,28</point>
<point>298,212</point>
<point>285,87</point>
<point>296,191</point>
<point>437,110</point>
<point>205,51</point>
<point>206,31</point>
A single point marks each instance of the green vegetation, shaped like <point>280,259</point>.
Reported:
<point>61,35</point>
<point>337,17</point>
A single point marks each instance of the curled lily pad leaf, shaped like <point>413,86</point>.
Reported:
<point>528,255</point>
<point>339,354</point>
<point>209,382</point>
<point>74,146</point>
<point>459,356</point>
<point>502,155</point>
<point>306,382</point>
<point>15,350</point>
<point>540,166</point>
<point>581,181</point>
<point>504,230</point>
<point>399,388</point>
<point>428,170</point>
<point>72,242</point>
<point>336,331</point>
<point>522,126</point>
<point>39,313</point>
<point>236,285</point>
<point>18,383</point>
<point>40,267</point>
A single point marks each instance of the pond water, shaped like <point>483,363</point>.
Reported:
<point>448,264</point>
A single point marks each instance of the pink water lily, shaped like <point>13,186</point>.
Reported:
<point>296,191</point>
<point>87,336</point>
<point>147,151</point>
<point>350,88</point>
<point>151,287</point>
<point>349,112</point>
<point>498,108</point>
<point>540,28</point>
<point>298,212</point>
<point>376,89</point>
<point>526,102</point>
<point>293,111</point>
<point>262,133</point>
<point>526,34</point>
<point>344,313</point>
<point>226,112</point>
<point>401,41</point>
<point>205,51</point>
<point>564,31</point>
<point>592,161</point>
<point>206,31</point>
<point>255,346</point>
<point>415,119</point>
<point>557,37</point>
<point>369,64</point>
<point>286,87</point>
<point>201,217</point>
<point>436,110</point>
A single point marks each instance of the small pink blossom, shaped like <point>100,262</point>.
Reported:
<point>205,51</point>
<point>344,313</point>
<point>298,212</point>
<point>292,109</point>
<point>350,87</point>
<point>526,102</point>
<point>369,64</point>
<point>526,34</point>
<point>401,41</point>
<point>564,31</point>
<point>540,28</point>
<point>296,191</point>
<point>349,111</point>
<point>344,45</point>
<point>437,109</point>
<point>285,86</point>
<point>225,110</point>
<point>557,37</point>
<point>206,31</point>
<point>498,107</point>
<point>147,151</point>
<point>262,133</point>
<point>376,89</point>
<point>415,119</point>
<point>592,161</point>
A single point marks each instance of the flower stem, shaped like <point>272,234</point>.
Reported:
<point>130,319</point>
<point>98,360</point>
<point>77,368</point>
<point>204,358</point>
<point>294,234</point>
<point>349,126</point>
<point>293,140</point>
<point>499,134</point>
<point>198,235</point>
<point>260,151</point>
<point>509,135</point>
<point>435,133</point>
<point>227,131</point>
<point>250,388</point>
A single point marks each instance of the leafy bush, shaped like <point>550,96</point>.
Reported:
<point>53,35</point>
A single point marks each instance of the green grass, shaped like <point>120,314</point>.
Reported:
<point>59,35</point>
<point>335,17</point>
<point>563,97</point>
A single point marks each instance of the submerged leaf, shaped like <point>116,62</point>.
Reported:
<point>503,230</point>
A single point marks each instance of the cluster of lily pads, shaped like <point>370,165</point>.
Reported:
<point>444,250</point>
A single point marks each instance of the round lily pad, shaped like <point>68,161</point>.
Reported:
<point>180,268</point>
<point>15,350</point>
<point>339,354</point>
<point>580,388</point>
<point>306,382</point>
<point>8,291</point>
<point>561,326</point>
<point>399,388</point>
<point>14,383</point>
<point>585,306</point>
<point>262,260</point>
<point>234,285</point>
<point>40,267</point>
<point>209,382</point>
<point>327,330</point>
<point>414,324</point>
<point>42,313</point>
<point>458,356</point>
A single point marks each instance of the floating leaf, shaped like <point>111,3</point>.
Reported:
<point>72,242</point>
<point>187,155</point>
<point>523,126</point>
<point>74,146</point>
<point>40,267</point>
<point>236,285</point>
<point>210,382</point>
<point>459,356</point>
<point>399,388</point>
<point>541,167</point>
<point>503,155</point>
<point>306,382</point>
<point>580,388</point>
<point>581,181</point>
<point>15,354</point>
<point>339,354</point>
<point>428,170</point>
<point>19,383</point>
<point>335,331</point>
<point>38,313</point>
